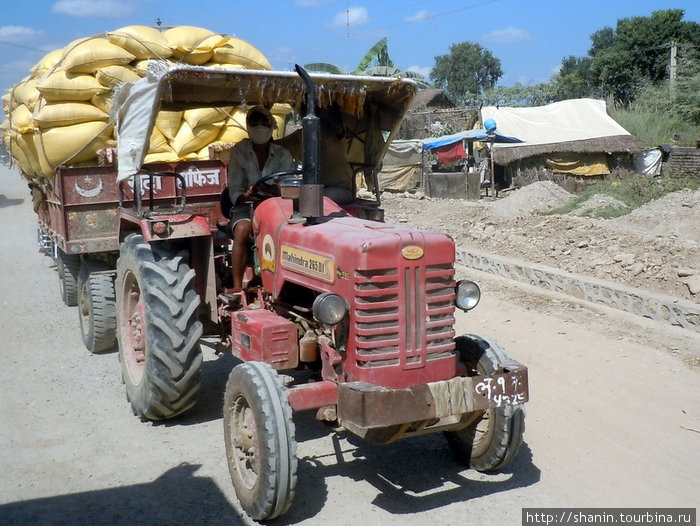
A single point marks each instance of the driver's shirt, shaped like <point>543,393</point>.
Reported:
<point>243,169</point>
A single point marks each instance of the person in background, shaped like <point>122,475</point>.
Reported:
<point>251,159</point>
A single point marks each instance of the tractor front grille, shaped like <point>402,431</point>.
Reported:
<point>404,316</point>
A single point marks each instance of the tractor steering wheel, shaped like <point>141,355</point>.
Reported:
<point>262,190</point>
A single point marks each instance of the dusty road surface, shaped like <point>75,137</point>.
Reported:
<point>613,420</point>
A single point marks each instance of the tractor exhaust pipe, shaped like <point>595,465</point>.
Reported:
<point>311,191</point>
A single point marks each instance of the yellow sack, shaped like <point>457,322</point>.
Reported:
<point>63,86</point>
<point>6,101</point>
<point>112,76</point>
<point>94,53</point>
<point>168,122</point>
<point>161,157</point>
<point>190,139</point>
<point>103,101</point>
<point>201,116</point>
<point>237,51</point>
<point>48,62</point>
<point>141,41</point>
<point>17,146</point>
<point>158,143</point>
<point>75,143</point>
<point>21,119</point>
<point>194,45</point>
<point>26,93</point>
<point>67,113</point>
<point>234,129</point>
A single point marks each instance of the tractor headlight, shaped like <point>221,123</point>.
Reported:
<point>329,308</point>
<point>467,295</point>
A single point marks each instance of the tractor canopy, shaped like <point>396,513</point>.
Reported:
<point>372,108</point>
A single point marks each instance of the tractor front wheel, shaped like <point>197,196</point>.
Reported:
<point>157,328</point>
<point>260,442</point>
<point>493,437</point>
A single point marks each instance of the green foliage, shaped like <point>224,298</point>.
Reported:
<point>633,191</point>
<point>378,55</point>
<point>517,95</point>
<point>375,63</point>
<point>324,67</point>
<point>466,71</point>
<point>621,60</point>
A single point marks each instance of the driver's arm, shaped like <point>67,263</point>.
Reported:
<point>238,183</point>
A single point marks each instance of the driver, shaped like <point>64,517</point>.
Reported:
<point>250,160</point>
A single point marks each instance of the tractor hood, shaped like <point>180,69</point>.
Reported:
<point>327,255</point>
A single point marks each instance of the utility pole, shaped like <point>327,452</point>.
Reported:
<point>672,71</point>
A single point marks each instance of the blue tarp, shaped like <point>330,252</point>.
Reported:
<point>469,135</point>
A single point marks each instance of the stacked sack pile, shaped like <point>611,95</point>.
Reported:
<point>60,113</point>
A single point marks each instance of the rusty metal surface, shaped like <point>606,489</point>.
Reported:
<point>80,209</point>
<point>369,406</point>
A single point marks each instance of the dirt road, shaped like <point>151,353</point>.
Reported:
<point>614,420</point>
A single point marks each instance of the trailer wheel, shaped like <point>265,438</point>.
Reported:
<point>68,266</point>
<point>97,307</point>
<point>493,437</point>
<point>157,329</point>
<point>260,442</point>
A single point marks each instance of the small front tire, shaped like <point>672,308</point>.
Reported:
<point>493,437</point>
<point>260,440</point>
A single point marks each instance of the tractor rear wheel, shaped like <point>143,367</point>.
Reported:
<point>157,329</point>
<point>493,437</point>
<point>68,266</point>
<point>96,306</point>
<point>260,442</point>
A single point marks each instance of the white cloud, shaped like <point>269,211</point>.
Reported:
<point>420,70</point>
<point>18,34</point>
<point>88,8</point>
<point>355,16</point>
<point>282,57</point>
<point>508,35</point>
<point>420,16</point>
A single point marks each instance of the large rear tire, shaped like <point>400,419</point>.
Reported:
<point>260,441</point>
<point>97,306</point>
<point>493,437</point>
<point>68,266</point>
<point>157,329</point>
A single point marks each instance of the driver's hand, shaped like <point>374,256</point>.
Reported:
<point>248,192</point>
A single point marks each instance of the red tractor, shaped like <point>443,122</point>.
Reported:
<point>342,313</point>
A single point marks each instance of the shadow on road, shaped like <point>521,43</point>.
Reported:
<point>411,476</point>
<point>176,497</point>
<point>5,202</point>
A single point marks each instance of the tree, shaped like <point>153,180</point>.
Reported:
<point>467,69</point>
<point>623,59</point>
<point>574,79</point>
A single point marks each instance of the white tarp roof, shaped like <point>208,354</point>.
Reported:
<point>576,126</point>
<point>568,120</point>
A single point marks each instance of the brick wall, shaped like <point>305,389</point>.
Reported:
<point>683,162</point>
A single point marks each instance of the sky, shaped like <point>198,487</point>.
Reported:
<point>529,37</point>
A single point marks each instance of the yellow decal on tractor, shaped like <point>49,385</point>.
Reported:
<point>309,263</point>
